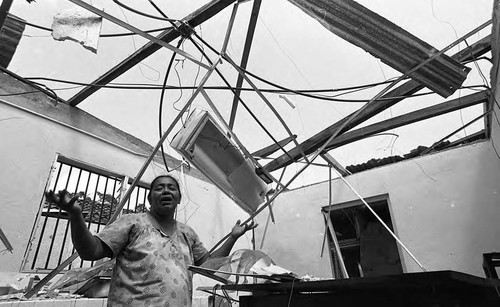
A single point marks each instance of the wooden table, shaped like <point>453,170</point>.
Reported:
<point>433,289</point>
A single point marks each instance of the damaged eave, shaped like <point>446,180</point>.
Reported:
<point>193,20</point>
<point>377,106</point>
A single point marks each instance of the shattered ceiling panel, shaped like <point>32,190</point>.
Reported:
<point>386,41</point>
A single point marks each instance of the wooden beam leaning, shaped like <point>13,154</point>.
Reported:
<point>409,118</point>
<point>193,20</point>
<point>411,87</point>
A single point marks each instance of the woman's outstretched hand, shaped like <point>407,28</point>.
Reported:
<point>239,230</point>
<point>64,201</point>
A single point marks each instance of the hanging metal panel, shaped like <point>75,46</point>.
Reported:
<point>390,43</point>
<point>10,35</point>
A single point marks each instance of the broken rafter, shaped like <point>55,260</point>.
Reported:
<point>411,87</point>
<point>193,20</point>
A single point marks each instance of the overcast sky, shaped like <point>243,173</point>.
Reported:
<point>290,48</point>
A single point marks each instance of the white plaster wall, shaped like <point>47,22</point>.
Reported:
<point>445,207</point>
<point>28,148</point>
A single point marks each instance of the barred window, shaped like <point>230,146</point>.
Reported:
<point>99,194</point>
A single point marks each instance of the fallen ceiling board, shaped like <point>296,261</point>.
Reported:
<point>377,106</point>
<point>385,40</point>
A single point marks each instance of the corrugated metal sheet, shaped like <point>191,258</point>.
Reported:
<point>383,39</point>
<point>10,36</point>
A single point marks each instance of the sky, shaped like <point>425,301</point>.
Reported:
<point>290,48</point>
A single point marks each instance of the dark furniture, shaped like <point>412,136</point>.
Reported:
<point>490,262</point>
<point>433,289</point>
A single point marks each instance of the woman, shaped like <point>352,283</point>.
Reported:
<point>152,249</point>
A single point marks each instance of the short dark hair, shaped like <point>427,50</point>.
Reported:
<point>165,176</point>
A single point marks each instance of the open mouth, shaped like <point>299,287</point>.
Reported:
<point>166,199</point>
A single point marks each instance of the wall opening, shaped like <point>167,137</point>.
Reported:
<point>367,248</point>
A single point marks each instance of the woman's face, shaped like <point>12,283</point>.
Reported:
<point>164,196</point>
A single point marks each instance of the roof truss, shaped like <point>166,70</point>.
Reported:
<point>193,20</point>
<point>411,87</point>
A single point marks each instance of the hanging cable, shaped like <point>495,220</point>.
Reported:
<point>316,96</point>
<point>142,13</point>
<point>142,86</point>
<point>162,95</point>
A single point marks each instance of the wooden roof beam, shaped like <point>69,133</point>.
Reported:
<point>409,118</point>
<point>411,87</point>
<point>269,150</point>
<point>193,20</point>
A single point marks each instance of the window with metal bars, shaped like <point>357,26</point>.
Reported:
<point>99,195</point>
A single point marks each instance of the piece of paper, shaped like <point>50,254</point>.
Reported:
<point>270,270</point>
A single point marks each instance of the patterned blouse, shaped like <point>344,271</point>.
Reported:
<point>151,267</point>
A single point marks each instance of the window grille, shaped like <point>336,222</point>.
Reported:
<point>99,190</point>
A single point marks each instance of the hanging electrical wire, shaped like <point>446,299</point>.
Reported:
<point>162,96</point>
<point>314,96</point>
<point>142,13</point>
<point>142,86</point>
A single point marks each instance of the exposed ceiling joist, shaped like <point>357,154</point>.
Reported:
<point>409,118</point>
<point>244,58</point>
<point>193,20</point>
<point>411,87</point>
